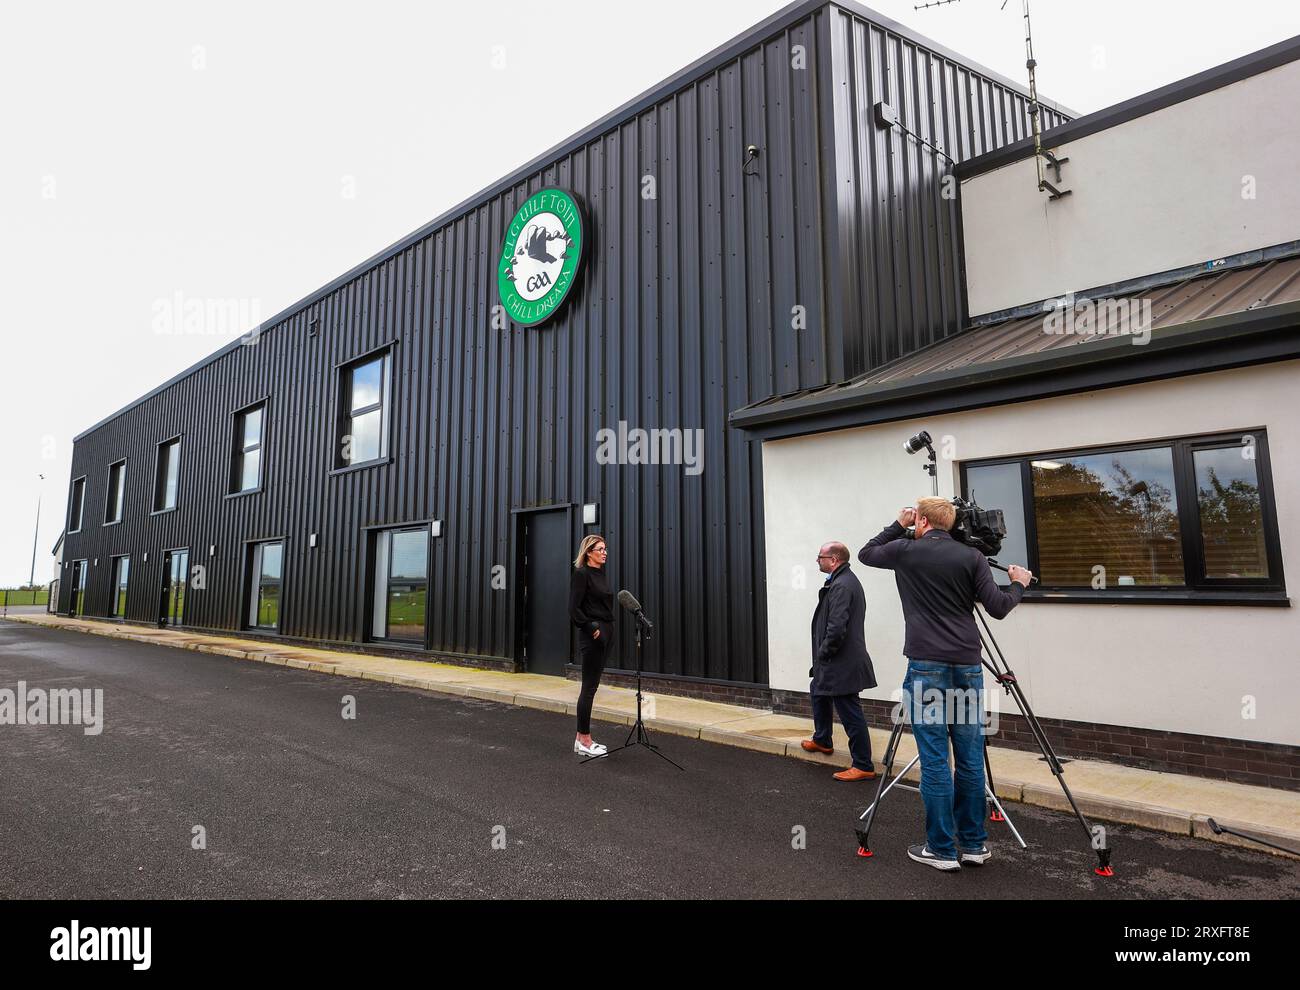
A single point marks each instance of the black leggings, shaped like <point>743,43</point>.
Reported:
<point>593,653</point>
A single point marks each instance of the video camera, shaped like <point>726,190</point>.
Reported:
<point>983,529</point>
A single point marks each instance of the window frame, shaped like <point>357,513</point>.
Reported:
<point>373,535</point>
<point>237,450</point>
<point>1196,587</point>
<point>80,505</point>
<point>345,414</point>
<point>159,484</point>
<point>253,585</point>
<point>114,560</point>
<point>108,496</point>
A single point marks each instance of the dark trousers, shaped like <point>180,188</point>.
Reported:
<point>592,652</point>
<point>849,709</point>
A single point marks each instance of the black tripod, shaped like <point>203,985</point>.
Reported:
<point>997,665</point>
<point>992,805</point>
<point>639,736</point>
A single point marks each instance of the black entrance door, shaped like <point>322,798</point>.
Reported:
<point>548,558</point>
<point>77,602</point>
<point>176,567</point>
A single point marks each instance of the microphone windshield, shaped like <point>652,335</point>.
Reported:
<point>628,601</point>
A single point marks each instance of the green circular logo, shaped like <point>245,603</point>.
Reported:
<point>539,261</point>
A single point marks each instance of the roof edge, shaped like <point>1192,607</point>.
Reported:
<point>775,23</point>
<point>1216,77</point>
<point>1091,365</point>
<point>897,27</point>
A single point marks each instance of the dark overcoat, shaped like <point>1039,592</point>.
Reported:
<point>841,664</point>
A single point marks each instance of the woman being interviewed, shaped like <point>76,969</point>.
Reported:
<point>591,609</point>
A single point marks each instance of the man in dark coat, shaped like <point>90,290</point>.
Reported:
<point>841,665</point>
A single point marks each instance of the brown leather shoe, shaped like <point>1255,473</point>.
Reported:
<point>816,747</point>
<point>853,773</point>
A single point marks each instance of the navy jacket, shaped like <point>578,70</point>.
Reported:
<point>939,581</point>
<point>841,664</point>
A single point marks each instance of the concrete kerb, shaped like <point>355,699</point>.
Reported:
<point>1150,816</point>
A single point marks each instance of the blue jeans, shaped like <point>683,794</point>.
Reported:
<point>944,701</point>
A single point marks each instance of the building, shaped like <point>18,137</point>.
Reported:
<point>665,328</point>
<point>1127,390</point>
<point>227,498</point>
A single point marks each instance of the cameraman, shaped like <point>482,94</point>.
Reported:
<point>939,581</point>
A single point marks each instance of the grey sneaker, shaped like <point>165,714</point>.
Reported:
<point>975,857</point>
<point>922,854</point>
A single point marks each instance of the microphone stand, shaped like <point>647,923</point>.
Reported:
<point>642,737</point>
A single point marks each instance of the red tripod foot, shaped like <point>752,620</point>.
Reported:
<point>864,853</point>
<point>996,816</point>
<point>1104,871</point>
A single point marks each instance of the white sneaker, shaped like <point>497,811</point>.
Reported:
<point>595,749</point>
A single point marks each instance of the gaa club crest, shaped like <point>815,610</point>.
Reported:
<point>539,261</point>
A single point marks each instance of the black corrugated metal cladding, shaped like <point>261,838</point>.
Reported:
<point>685,311</point>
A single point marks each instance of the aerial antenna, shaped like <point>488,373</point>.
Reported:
<point>1041,156</point>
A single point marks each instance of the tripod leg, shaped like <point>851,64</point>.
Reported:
<point>864,830</point>
<point>1002,816</point>
<point>1012,686</point>
<point>994,809</point>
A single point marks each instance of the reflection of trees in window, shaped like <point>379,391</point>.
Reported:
<point>1232,528</point>
<point>1091,514</point>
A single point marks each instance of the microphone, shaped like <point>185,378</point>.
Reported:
<point>630,604</point>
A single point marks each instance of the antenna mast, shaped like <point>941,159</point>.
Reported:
<point>1041,156</point>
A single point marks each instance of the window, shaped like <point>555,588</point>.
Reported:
<point>121,575</point>
<point>116,493</point>
<point>76,504</point>
<point>401,584</point>
<point>167,477</point>
<point>365,404</point>
<point>264,587</point>
<point>246,466</point>
<point>1188,515</point>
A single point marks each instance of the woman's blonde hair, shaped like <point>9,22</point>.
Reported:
<point>584,548</point>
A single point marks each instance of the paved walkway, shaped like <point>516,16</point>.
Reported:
<point>1164,801</point>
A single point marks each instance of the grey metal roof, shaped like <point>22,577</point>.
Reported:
<point>1211,294</point>
<point>1263,287</point>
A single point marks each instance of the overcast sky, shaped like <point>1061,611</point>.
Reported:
<point>156,152</point>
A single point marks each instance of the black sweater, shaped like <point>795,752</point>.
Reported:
<point>590,600</point>
<point>939,581</point>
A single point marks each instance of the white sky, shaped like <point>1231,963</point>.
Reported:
<point>152,149</point>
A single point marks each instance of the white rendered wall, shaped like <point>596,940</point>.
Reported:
<point>1156,193</point>
<point>1181,668</point>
